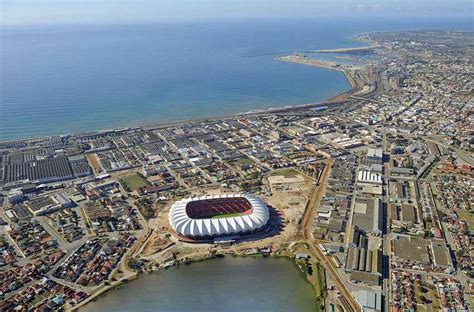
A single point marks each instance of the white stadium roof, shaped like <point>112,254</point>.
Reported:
<point>184,225</point>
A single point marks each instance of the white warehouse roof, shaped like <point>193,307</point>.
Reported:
<point>369,176</point>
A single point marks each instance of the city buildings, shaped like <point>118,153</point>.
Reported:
<point>376,189</point>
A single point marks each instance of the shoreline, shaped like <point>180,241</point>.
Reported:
<point>104,202</point>
<point>271,110</point>
<point>160,125</point>
<point>103,292</point>
<point>286,252</point>
<point>341,98</point>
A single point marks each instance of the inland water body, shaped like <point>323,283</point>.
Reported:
<point>229,284</point>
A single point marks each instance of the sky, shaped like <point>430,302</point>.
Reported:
<point>24,12</point>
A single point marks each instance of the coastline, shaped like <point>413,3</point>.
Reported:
<point>338,100</point>
<point>116,191</point>
<point>334,100</point>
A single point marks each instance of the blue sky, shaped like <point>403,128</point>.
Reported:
<point>119,11</point>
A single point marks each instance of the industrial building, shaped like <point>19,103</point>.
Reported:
<point>374,155</point>
<point>368,215</point>
<point>371,301</point>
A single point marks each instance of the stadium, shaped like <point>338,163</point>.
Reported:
<point>209,217</point>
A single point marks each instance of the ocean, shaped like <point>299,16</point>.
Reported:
<point>72,78</point>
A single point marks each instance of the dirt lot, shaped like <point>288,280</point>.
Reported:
<point>289,202</point>
<point>95,163</point>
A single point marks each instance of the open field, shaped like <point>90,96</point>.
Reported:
<point>468,217</point>
<point>287,173</point>
<point>133,182</point>
<point>241,161</point>
<point>435,300</point>
<point>348,50</point>
<point>420,296</point>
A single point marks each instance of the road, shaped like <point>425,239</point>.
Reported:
<point>317,192</point>
<point>464,156</point>
<point>386,247</point>
<point>306,232</point>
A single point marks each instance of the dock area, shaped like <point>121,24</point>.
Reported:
<point>349,50</point>
<point>361,80</point>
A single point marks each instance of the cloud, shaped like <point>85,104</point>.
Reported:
<point>369,6</point>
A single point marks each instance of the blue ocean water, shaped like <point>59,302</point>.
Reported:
<point>64,79</point>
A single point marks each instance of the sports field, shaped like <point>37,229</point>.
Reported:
<point>228,215</point>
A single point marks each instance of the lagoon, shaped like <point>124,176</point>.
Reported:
<point>228,284</point>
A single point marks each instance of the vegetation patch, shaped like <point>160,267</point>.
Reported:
<point>146,207</point>
<point>314,273</point>
<point>287,173</point>
<point>467,216</point>
<point>435,299</point>
<point>133,182</point>
<point>241,161</point>
<point>321,281</point>
<point>420,292</point>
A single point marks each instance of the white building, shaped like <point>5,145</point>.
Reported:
<point>368,176</point>
<point>220,215</point>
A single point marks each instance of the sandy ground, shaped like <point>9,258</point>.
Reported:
<point>288,200</point>
<point>94,162</point>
